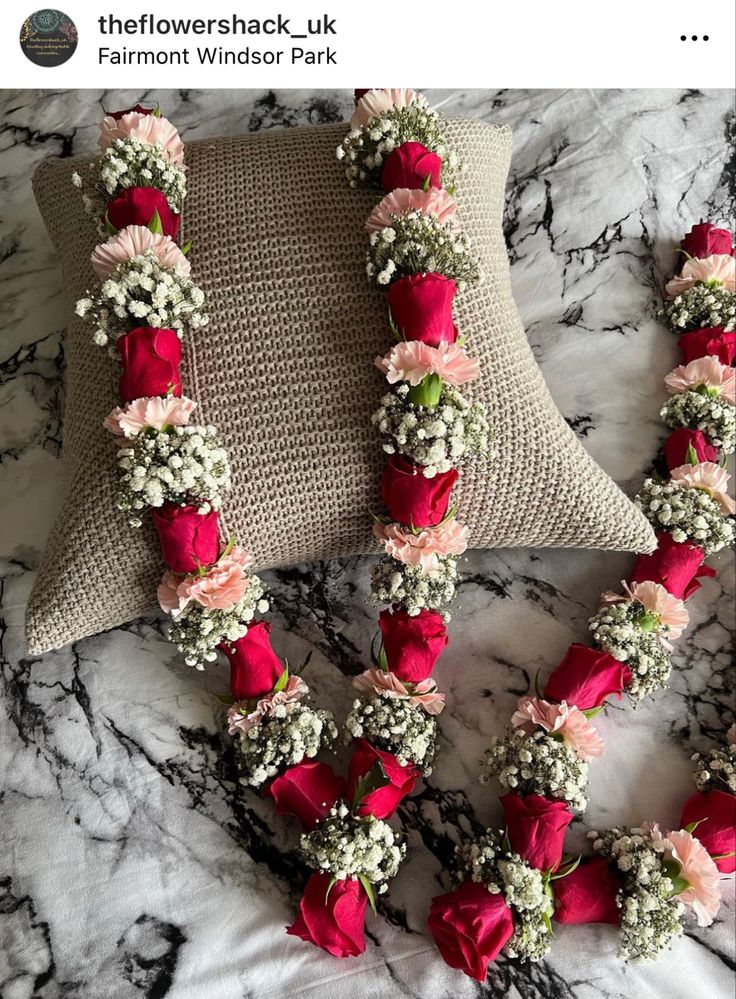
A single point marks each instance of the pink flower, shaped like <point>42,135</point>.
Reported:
<point>696,867</point>
<point>132,242</point>
<point>379,681</point>
<point>655,599</point>
<point>377,102</point>
<point>719,268</point>
<point>709,477</point>
<point>562,719</point>
<point>156,412</point>
<point>240,719</point>
<point>402,201</point>
<point>707,371</point>
<point>221,587</point>
<point>152,129</point>
<point>410,361</point>
<point>426,546</point>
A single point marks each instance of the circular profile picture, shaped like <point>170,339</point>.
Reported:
<point>48,37</point>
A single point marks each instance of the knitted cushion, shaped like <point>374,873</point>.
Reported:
<point>285,371</point>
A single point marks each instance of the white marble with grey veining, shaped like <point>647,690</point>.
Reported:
<point>131,865</point>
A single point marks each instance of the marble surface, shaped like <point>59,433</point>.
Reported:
<point>131,864</point>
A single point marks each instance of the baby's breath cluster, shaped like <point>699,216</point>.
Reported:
<point>180,464</point>
<point>712,414</point>
<point>197,631</point>
<point>418,243</point>
<point>437,437</point>
<point>700,307</point>
<point>490,863</point>
<point>126,163</point>
<point>394,582</point>
<point>617,630</point>
<point>687,514</point>
<point>297,732</point>
<point>351,846</point>
<point>140,292</point>
<point>716,769</point>
<point>397,726</point>
<point>537,764</point>
<point>650,916</point>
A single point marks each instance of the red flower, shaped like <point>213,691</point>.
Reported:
<point>536,828</point>
<point>188,538</point>
<point>409,165</point>
<point>254,666</point>
<point>332,921</point>
<point>138,206</point>
<point>139,109</point>
<point>412,644</point>
<point>588,894</point>
<point>308,791</point>
<point>713,341</point>
<point>421,308</point>
<point>357,94</point>
<point>151,359</point>
<point>717,831</point>
<point>586,677</point>
<point>470,927</point>
<point>704,240</point>
<point>676,447</point>
<point>384,801</point>
<point>410,497</point>
<point>674,565</point>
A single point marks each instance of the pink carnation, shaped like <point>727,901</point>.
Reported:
<point>709,477</point>
<point>706,371</point>
<point>152,129</point>
<point>156,412</point>
<point>377,102</point>
<point>132,242</point>
<point>562,719</point>
<point>379,681</point>
<point>240,719</point>
<point>435,201</point>
<point>220,588</point>
<point>696,867</point>
<point>426,546</point>
<point>719,268</point>
<point>411,361</point>
<point>657,600</point>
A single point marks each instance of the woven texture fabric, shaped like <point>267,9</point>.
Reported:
<point>285,371</point>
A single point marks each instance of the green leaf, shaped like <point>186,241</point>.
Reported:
<point>383,660</point>
<point>427,392</point>
<point>156,112</point>
<point>427,182</point>
<point>155,224</point>
<point>723,856</point>
<point>330,886</point>
<point>371,781</point>
<point>304,663</point>
<point>225,698</point>
<point>592,712</point>
<point>109,226</point>
<point>692,826</point>
<point>564,869</point>
<point>691,457</point>
<point>394,328</point>
<point>537,686</point>
<point>369,891</point>
<point>282,680</point>
<point>186,247</point>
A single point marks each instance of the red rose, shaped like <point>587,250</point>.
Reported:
<point>412,644</point>
<point>410,497</point>
<point>587,894</point>
<point>138,206</point>
<point>254,666</point>
<point>536,828</point>
<point>586,677</point>
<point>717,831</point>
<point>678,442</point>
<point>188,538</point>
<point>421,308</point>
<point>332,921</point>
<point>151,359</point>
<point>308,791</point>
<point>704,240</point>
<point>384,801</point>
<point>714,342</point>
<point>470,927</point>
<point>674,565</point>
<point>139,109</point>
<point>409,165</point>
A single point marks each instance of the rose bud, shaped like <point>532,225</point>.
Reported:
<point>411,165</point>
<point>412,644</point>
<point>333,921</point>
<point>679,442</point>
<point>711,342</point>
<point>410,497</point>
<point>587,894</point>
<point>715,811</point>
<point>536,828</point>
<point>138,109</point>
<point>308,791</point>
<point>383,802</point>
<point>586,677</point>
<point>139,206</point>
<point>150,359</point>
<point>673,564</point>
<point>254,666</point>
<point>705,240</point>
<point>470,927</point>
<point>188,538</point>
<point>421,308</point>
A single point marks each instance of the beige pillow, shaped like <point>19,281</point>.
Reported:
<point>285,371</point>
